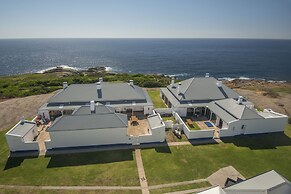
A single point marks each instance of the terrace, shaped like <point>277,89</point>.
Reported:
<point>137,124</point>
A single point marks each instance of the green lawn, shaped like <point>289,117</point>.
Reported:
<point>41,191</point>
<point>250,155</point>
<point>169,118</point>
<point>155,96</point>
<point>99,168</point>
<point>193,127</point>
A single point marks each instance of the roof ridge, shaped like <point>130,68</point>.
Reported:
<point>117,114</point>
<point>189,84</point>
<point>245,107</point>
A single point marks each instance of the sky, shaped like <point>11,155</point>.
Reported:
<point>145,19</point>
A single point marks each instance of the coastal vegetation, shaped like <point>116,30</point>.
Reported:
<point>33,84</point>
<point>155,96</point>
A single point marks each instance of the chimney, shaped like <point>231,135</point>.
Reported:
<point>178,88</point>
<point>219,83</point>
<point>92,106</point>
<point>22,120</point>
<point>173,81</point>
<point>100,79</point>
<point>65,85</point>
<point>240,100</point>
<point>206,74</point>
<point>98,86</point>
<point>131,82</point>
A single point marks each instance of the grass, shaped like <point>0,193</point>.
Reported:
<point>43,191</point>
<point>155,96</point>
<point>250,155</point>
<point>99,168</point>
<point>193,127</point>
<point>33,84</point>
<point>169,118</point>
<point>180,188</point>
<point>171,137</point>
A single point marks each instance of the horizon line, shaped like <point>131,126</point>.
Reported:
<point>144,38</point>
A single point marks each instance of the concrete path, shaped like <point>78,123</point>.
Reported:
<point>177,184</point>
<point>142,178</point>
<point>220,176</point>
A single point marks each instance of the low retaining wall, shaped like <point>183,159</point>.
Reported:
<point>164,111</point>
<point>193,134</point>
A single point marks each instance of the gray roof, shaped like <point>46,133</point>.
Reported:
<point>22,128</point>
<point>154,121</point>
<point>89,122</point>
<point>203,88</point>
<point>99,109</point>
<point>225,116</point>
<point>109,92</point>
<point>175,103</point>
<point>263,182</point>
<point>238,111</point>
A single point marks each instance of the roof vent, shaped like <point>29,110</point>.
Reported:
<point>65,85</point>
<point>92,106</point>
<point>98,86</point>
<point>219,83</point>
<point>131,82</point>
<point>173,81</point>
<point>178,88</point>
<point>22,120</point>
<point>240,100</point>
<point>100,79</point>
<point>206,74</point>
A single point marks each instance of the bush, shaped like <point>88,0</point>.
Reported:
<point>289,120</point>
<point>271,93</point>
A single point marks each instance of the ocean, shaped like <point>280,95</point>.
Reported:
<point>183,58</point>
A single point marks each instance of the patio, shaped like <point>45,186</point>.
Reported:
<point>43,136</point>
<point>137,125</point>
<point>200,122</point>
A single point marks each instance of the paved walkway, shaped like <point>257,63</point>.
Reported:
<point>142,178</point>
<point>177,184</point>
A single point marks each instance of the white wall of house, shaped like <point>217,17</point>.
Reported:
<point>16,143</point>
<point>156,135</point>
<point>200,134</point>
<point>78,138</point>
<point>181,111</point>
<point>31,134</point>
<point>255,126</point>
<point>148,110</point>
<point>267,125</point>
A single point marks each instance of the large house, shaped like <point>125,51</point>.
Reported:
<point>124,97</point>
<point>267,183</point>
<point>217,109</point>
<point>85,115</point>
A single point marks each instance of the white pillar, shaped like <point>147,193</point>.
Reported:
<point>210,115</point>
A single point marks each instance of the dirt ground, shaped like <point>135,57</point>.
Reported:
<point>12,110</point>
<point>281,104</point>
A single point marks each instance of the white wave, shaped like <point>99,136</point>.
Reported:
<point>107,68</point>
<point>60,66</point>
<point>248,78</point>
<point>179,75</point>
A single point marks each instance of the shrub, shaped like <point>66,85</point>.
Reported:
<point>289,120</point>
